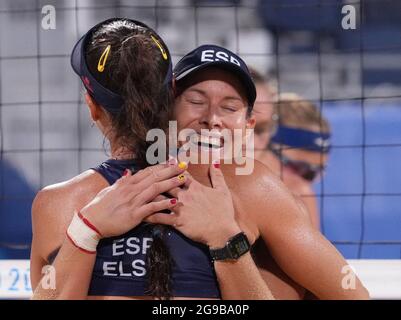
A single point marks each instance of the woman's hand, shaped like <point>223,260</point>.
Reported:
<point>119,208</point>
<point>202,214</point>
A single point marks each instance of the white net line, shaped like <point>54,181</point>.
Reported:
<point>382,278</point>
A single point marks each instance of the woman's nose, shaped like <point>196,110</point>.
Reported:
<point>212,120</point>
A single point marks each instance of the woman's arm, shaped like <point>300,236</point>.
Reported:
<point>306,198</point>
<point>114,211</point>
<point>300,249</point>
<point>67,278</point>
<point>207,215</point>
<point>49,236</point>
<point>304,193</point>
<point>241,280</point>
<point>309,200</point>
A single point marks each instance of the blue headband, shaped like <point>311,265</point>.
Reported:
<point>302,139</point>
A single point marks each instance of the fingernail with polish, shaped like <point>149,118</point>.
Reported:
<point>183,165</point>
<point>216,164</point>
<point>173,201</point>
<point>126,171</point>
<point>181,177</point>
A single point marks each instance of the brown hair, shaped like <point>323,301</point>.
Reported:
<point>136,70</point>
<point>294,111</point>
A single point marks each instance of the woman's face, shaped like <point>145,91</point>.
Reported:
<point>312,158</point>
<point>263,111</point>
<point>214,99</point>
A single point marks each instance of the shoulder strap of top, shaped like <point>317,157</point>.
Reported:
<point>112,170</point>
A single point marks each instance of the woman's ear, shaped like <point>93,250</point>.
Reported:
<point>94,109</point>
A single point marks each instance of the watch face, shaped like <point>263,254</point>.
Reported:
<point>238,246</point>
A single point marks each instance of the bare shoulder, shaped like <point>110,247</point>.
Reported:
<point>54,205</point>
<point>54,199</point>
<point>263,195</point>
<point>261,178</point>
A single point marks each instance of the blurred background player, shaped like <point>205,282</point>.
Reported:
<point>263,110</point>
<point>270,117</point>
<point>298,148</point>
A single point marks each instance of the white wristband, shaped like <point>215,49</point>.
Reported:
<point>83,236</point>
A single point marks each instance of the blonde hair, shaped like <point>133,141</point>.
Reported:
<point>294,111</point>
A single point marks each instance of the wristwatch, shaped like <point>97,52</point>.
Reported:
<point>234,248</point>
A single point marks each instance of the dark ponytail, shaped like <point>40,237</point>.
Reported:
<point>136,70</point>
<point>159,264</point>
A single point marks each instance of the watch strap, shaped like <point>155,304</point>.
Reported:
<point>235,247</point>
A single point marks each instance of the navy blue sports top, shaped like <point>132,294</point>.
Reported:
<point>120,261</point>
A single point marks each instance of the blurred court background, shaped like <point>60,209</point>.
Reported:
<point>353,75</point>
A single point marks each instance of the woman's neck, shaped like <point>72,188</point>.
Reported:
<point>121,153</point>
